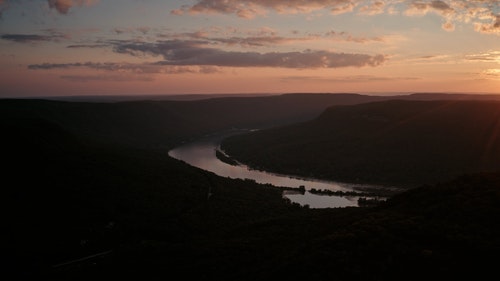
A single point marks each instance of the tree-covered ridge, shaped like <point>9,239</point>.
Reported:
<point>391,142</point>
<point>80,202</point>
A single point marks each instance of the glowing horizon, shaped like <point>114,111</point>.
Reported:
<point>111,47</point>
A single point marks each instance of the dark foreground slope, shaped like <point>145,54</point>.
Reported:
<point>392,142</point>
<point>63,200</point>
<point>76,205</point>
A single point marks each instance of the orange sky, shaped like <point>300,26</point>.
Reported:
<point>75,47</point>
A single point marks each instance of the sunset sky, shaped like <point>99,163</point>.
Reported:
<point>128,47</point>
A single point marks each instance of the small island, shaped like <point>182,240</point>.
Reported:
<point>224,158</point>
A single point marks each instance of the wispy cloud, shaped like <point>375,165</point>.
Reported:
<point>198,52</point>
<point>108,77</point>
<point>483,14</point>
<point>93,65</point>
<point>375,8</point>
<point>252,8</point>
<point>142,30</point>
<point>492,56</point>
<point>63,6</point>
<point>493,27</point>
<point>269,38</point>
<point>348,79</point>
<point>493,73</point>
<point>31,38</point>
<point>422,8</point>
<point>46,35</point>
<point>79,46</point>
<point>130,68</point>
<point>347,37</point>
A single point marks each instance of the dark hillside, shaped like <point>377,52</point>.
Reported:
<point>392,142</point>
<point>445,231</point>
<point>63,199</point>
<point>161,124</point>
<point>83,199</point>
<point>155,124</point>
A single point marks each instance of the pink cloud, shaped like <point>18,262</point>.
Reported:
<point>493,27</point>
<point>422,8</point>
<point>251,8</point>
<point>63,6</point>
<point>377,7</point>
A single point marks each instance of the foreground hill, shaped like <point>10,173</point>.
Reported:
<point>64,200</point>
<point>392,142</point>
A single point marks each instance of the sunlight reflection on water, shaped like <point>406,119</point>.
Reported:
<point>201,154</point>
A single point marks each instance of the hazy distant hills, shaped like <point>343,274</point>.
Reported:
<point>164,123</point>
<point>390,142</point>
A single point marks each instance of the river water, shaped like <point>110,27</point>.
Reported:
<point>201,154</point>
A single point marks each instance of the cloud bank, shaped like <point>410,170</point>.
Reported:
<point>484,14</point>
<point>196,52</point>
<point>252,8</point>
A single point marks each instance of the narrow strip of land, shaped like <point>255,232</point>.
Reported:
<point>98,255</point>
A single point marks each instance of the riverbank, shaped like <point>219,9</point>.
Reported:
<point>205,153</point>
<point>224,158</point>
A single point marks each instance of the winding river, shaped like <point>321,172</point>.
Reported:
<point>201,154</point>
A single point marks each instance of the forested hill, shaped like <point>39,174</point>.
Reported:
<point>391,142</point>
<point>164,123</point>
<point>74,207</point>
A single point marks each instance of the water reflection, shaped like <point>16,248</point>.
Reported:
<point>201,154</point>
<point>320,201</point>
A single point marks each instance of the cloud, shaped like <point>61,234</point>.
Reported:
<point>448,26</point>
<point>142,29</point>
<point>114,78</point>
<point>252,8</point>
<point>102,66</point>
<point>422,8</point>
<point>349,79</point>
<point>483,14</point>
<point>31,38</point>
<point>268,38</point>
<point>491,28</point>
<point>92,46</point>
<point>257,41</point>
<point>344,36</point>
<point>197,52</point>
<point>48,35</point>
<point>63,6</point>
<point>492,56</point>
<point>377,7</point>
<point>130,68</point>
<point>493,73</point>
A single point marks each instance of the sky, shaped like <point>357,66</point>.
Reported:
<point>132,47</point>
